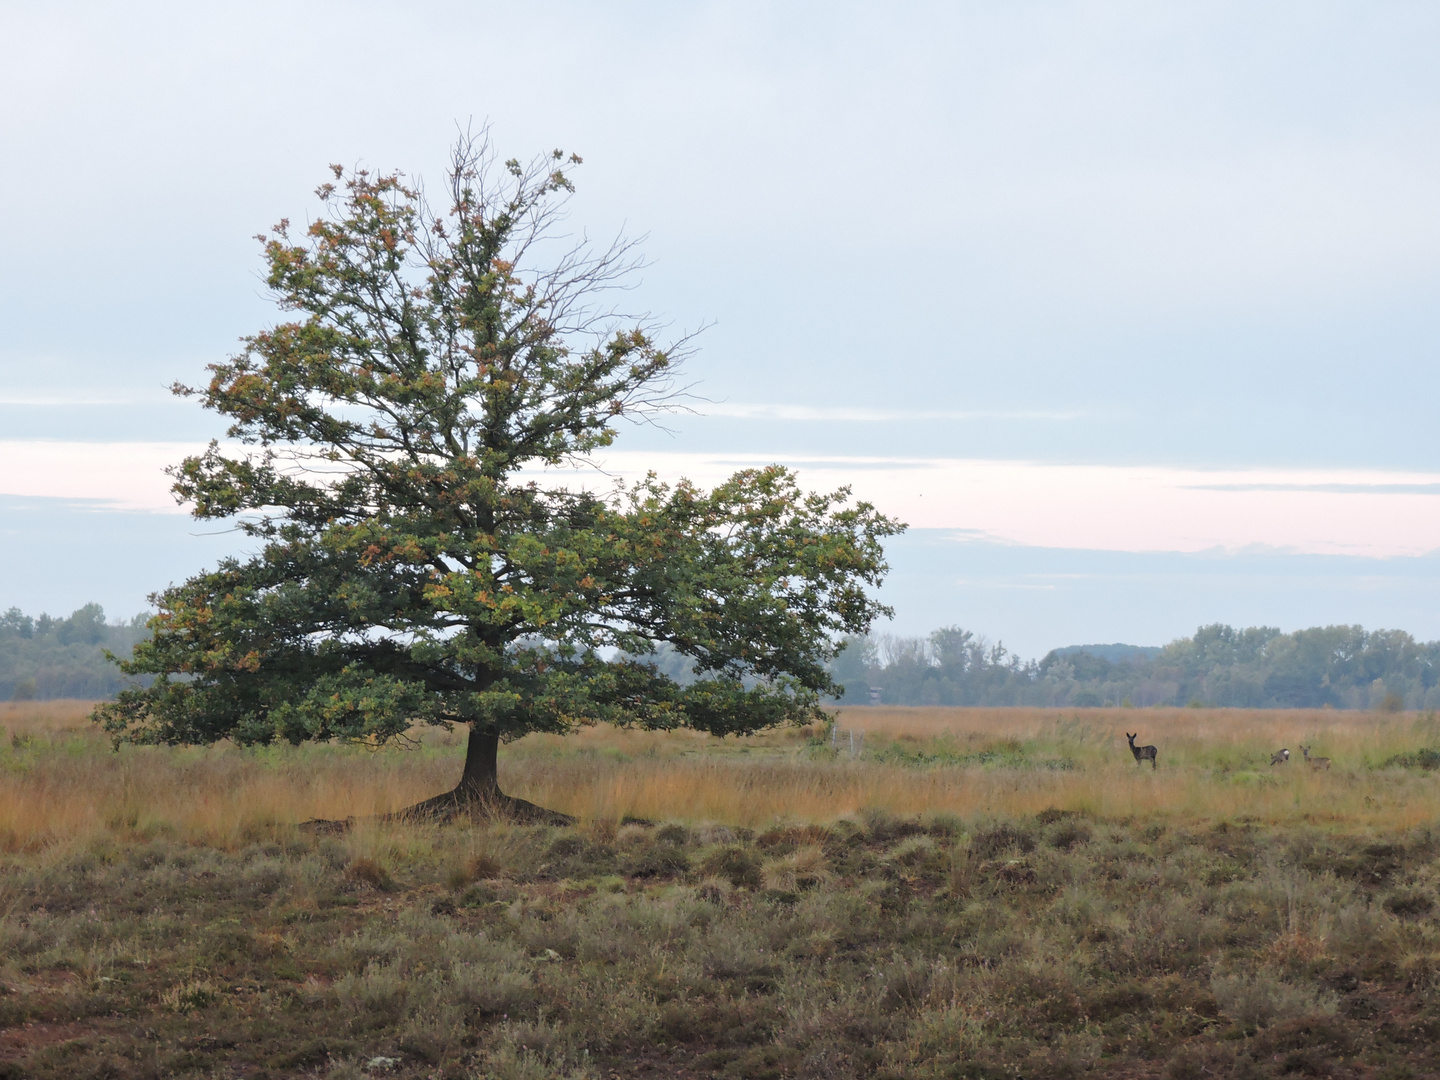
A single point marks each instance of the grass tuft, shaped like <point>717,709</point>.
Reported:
<point>366,871</point>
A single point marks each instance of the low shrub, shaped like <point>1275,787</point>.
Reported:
<point>1424,758</point>
<point>1409,902</point>
<point>736,865</point>
<point>366,871</point>
<point>1000,838</point>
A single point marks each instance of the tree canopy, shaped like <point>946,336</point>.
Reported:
<point>388,447</point>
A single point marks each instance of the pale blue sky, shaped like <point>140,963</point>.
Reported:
<point>1113,234</point>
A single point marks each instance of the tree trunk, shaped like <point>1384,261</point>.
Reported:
<point>479,791</point>
<point>480,780</point>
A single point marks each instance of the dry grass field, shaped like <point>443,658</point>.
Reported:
<point>976,893</point>
<point>64,783</point>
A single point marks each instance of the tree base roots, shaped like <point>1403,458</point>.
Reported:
<point>326,827</point>
<point>480,804</point>
<point>446,808</point>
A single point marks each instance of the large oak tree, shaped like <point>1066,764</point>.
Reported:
<point>388,450</point>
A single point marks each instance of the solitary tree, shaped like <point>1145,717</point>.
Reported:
<point>414,568</point>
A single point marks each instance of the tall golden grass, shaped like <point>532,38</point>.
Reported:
<point>60,782</point>
<point>46,717</point>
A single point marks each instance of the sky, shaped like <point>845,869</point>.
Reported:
<point>1128,309</point>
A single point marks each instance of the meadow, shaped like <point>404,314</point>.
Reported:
<point>973,892</point>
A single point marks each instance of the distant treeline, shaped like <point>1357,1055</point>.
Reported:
<point>1345,667</point>
<point>46,657</point>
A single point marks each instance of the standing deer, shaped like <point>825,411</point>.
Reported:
<point>1142,753</point>
<point>1280,757</point>
<point>1315,762</point>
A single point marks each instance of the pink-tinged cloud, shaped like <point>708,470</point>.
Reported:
<point>1116,508</point>
<point>123,476</point>
<point>1100,507</point>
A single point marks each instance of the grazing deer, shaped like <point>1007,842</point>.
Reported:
<point>1142,753</point>
<point>1280,757</point>
<point>1315,762</point>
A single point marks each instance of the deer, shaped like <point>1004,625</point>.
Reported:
<point>1280,757</point>
<point>1142,753</point>
<point>1315,762</point>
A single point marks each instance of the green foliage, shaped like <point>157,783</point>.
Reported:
<point>411,571</point>
<point>1340,666</point>
<point>43,657</point>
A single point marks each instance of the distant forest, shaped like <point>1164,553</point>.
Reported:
<point>45,657</point>
<point>1345,667</point>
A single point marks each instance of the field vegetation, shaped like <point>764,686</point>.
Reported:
<point>976,892</point>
